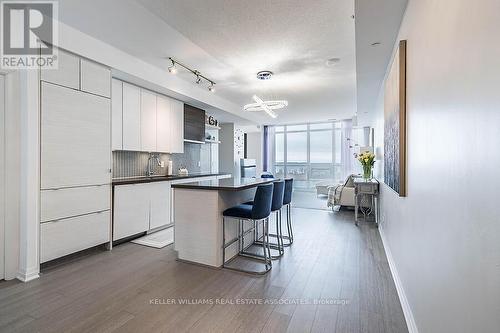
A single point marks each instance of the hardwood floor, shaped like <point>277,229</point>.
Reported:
<point>129,288</point>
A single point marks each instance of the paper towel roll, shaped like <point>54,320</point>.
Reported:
<point>170,168</point>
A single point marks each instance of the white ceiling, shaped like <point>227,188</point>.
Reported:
<point>292,38</point>
<point>229,41</point>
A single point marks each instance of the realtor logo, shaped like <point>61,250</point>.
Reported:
<point>28,31</point>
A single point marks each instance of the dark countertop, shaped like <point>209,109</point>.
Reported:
<point>228,184</point>
<point>147,179</point>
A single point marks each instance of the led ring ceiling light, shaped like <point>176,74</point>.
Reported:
<point>266,106</point>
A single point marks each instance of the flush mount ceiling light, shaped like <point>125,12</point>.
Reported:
<point>266,106</point>
<point>199,77</point>
<point>264,75</point>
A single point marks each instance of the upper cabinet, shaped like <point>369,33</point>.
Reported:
<point>67,73</point>
<point>75,138</point>
<point>176,126</point>
<point>95,78</point>
<point>117,114</point>
<point>163,123</point>
<point>194,124</point>
<point>131,117</point>
<point>146,121</point>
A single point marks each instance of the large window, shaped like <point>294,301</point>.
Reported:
<point>296,149</point>
<point>308,152</point>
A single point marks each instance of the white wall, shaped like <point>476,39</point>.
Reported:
<point>2,176</point>
<point>254,149</point>
<point>12,173</point>
<point>444,237</point>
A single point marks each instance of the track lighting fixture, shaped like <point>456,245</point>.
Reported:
<point>199,77</point>
<point>172,69</point>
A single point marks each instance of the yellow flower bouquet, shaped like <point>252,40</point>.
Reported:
<point>367,160</point>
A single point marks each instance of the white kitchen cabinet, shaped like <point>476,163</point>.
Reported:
<point>148,121</point>
<point>176,126</point>
<point>163,124</point>
<point>131,117</point>
<point>69,202</point>
<point>130,210</point>
<point>95,78</point>
<point>160,204</point>
<point>116,115</point>
<point>63,237</point>
<point>67,73</point>
<point>75,138</point>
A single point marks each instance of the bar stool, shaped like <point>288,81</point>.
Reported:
<point>277,203</point>
<point>259,211</point>
<point>287,200</point>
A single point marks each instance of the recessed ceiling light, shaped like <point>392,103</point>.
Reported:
<point>264,75</point>
<point>332,61</point>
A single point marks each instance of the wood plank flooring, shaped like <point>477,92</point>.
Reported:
<point>129,289</point>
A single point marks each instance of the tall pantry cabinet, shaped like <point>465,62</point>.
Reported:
<point>75,166</point>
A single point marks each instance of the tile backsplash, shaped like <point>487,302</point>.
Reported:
<point>133,164</point>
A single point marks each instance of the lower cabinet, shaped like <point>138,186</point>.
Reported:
<point>160,204</point>
<point>144,207</point>
<point>140,208</point>
<point>130,210</point>
<point>62,237</point>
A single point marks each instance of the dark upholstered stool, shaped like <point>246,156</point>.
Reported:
<point>259,211</point>
<point>277,203</point>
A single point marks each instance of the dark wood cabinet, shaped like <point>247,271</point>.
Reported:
<point>194,123</point>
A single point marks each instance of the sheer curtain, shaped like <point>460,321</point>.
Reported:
<point>269,144</point>
<point>347,159</point>
<point>353,138</point>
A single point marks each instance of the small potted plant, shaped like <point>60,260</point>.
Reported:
<point>367,160</point>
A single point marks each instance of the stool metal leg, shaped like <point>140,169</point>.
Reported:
<point>223,242</point>
<point>266,257</point>
<point>266,235</point>
<point>289,222</point>
<point>279,238</point>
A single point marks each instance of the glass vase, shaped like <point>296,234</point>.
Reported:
<point>367,172</point>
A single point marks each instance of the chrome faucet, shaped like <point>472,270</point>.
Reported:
<point>155,158</point>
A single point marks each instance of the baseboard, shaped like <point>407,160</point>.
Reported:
<point>27,276</point>
<point>410,320</point>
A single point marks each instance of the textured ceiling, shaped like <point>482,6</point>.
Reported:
<point>291,38</point>
<point>230,41</point>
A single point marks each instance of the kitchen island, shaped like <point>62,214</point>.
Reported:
<point>198,218</point>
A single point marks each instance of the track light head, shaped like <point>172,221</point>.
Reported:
<point>172,69</point>
<point>211,88</point>
<point>198,79</point>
